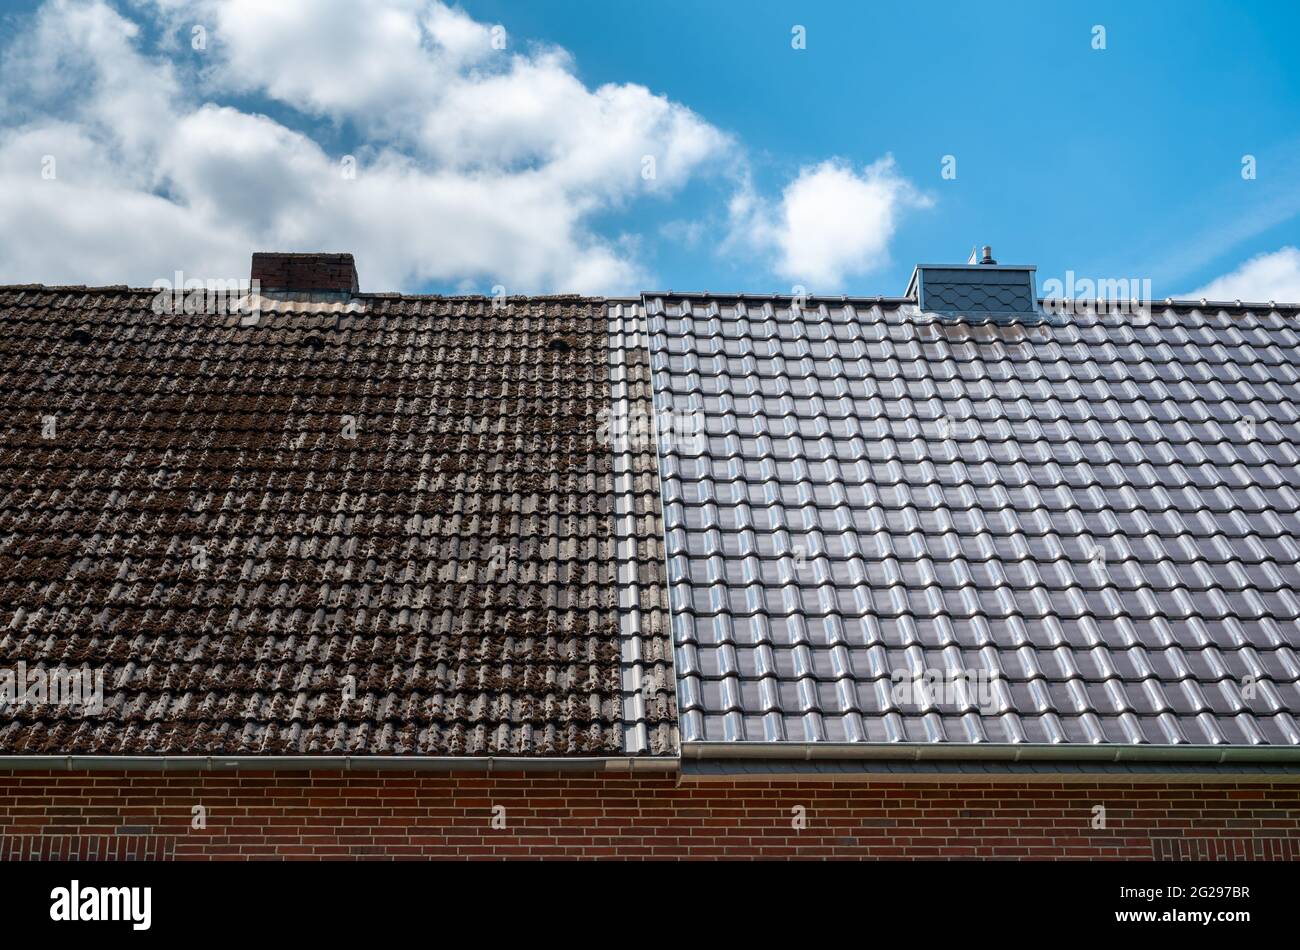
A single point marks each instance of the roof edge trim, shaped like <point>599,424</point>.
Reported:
<point>990,752</point>
<point>342,763</point>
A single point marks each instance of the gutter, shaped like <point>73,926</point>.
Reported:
<point>340,763</point>
<point>990,752</point>
<point>782,751</point>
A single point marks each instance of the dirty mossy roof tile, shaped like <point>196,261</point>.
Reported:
<point>388,532</point>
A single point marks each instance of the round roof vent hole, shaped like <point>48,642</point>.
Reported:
<point>80,336</point>
<point>559,345</point>
<point>314,342</point>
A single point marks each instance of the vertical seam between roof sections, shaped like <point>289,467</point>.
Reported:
<point>669,614</point>
<point>645,648</point>
<point>631,669</point>
<point>653,570</point>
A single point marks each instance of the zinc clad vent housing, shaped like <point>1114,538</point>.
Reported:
<point>980,291</point>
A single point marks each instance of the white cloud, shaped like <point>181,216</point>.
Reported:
<point>1274,276</point>
<point>373,59</point>
<point>831,222</point>
<point>79,64</point>
<point>478,164</point>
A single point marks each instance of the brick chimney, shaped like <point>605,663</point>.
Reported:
<point>305,272</point>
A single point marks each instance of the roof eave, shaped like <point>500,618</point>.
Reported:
<point>991,752</point>
<point>340,763</point>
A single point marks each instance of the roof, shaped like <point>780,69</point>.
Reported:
<point>380,525</point>
<point>1082,534</point>
<point>389,527</point>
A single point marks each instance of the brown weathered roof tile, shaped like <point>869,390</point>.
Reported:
<point>389,532</point>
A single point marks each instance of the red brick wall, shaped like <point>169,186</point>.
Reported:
<point>368,814</point>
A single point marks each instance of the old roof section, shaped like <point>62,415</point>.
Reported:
<point>380,527</point>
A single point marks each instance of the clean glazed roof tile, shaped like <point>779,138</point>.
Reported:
<point>645,640</point>
<point>387,528</point>
<point>1084,533</point>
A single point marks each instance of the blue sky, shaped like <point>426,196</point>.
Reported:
<point>1125,161</point>
<point>776,166</point>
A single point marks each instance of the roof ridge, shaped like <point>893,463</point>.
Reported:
<point>388,295</point>
<point>870,299</point>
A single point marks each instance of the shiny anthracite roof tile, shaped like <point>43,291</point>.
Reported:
<point>1100,519</point>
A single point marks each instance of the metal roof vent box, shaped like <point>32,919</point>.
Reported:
<point>979,291</point>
